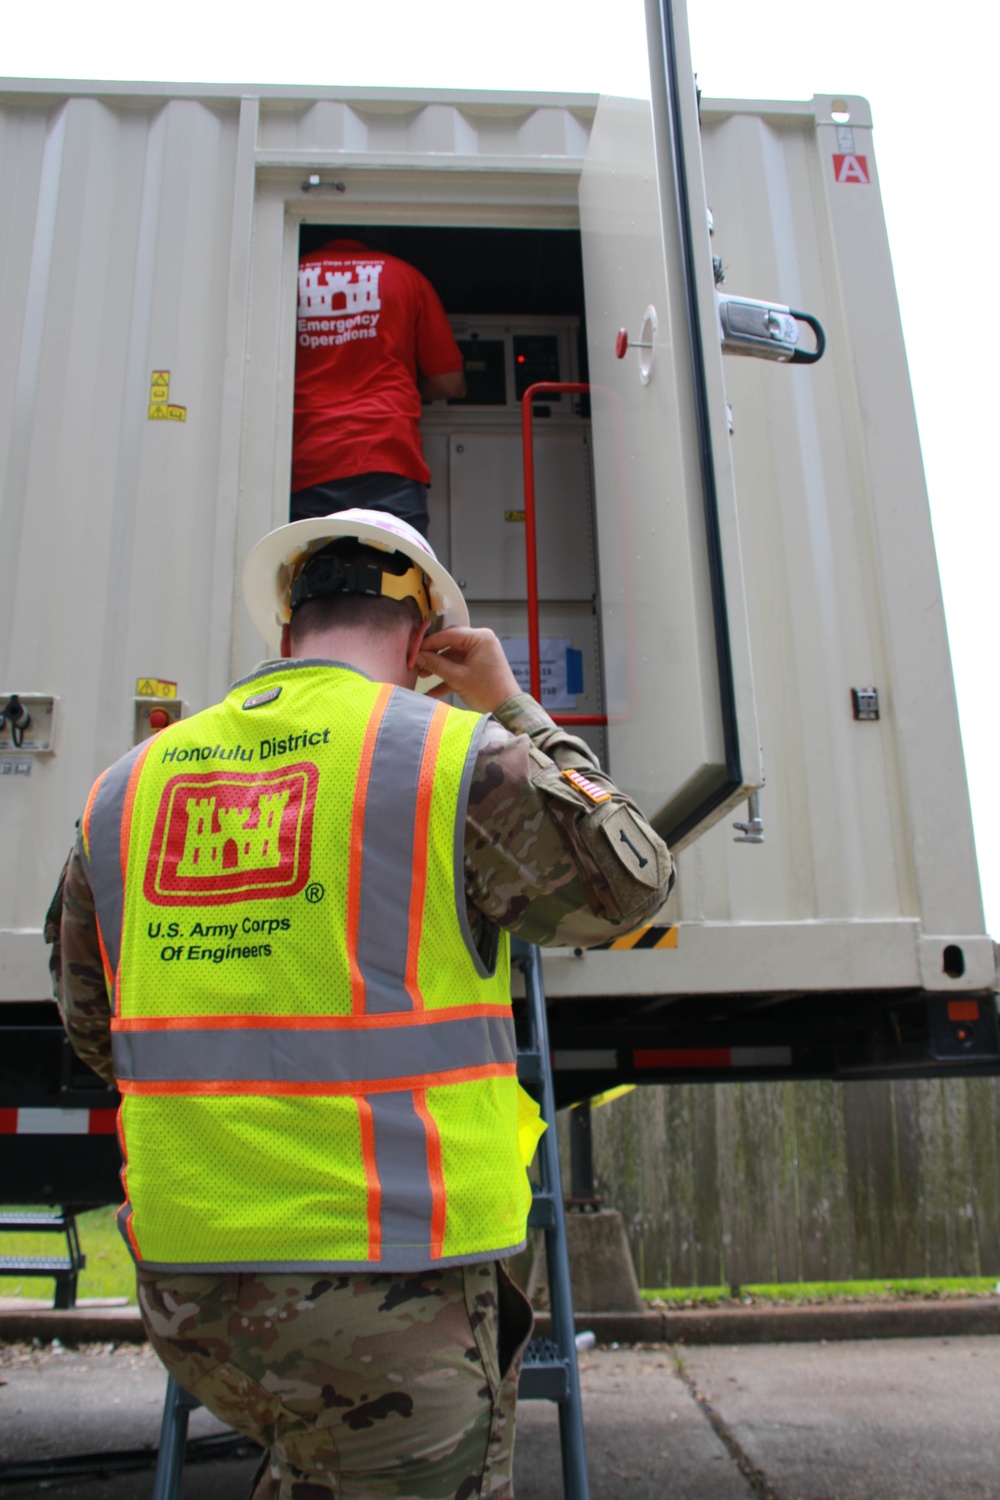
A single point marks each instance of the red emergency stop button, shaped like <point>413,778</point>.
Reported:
<point>158,718</point>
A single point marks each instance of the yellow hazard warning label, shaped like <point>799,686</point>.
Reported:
<point>160,409</point>
<point>654,935</point>
<point>513,515</point>
<point>155,687</point>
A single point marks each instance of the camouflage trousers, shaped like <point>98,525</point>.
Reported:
<point>359,1385</point>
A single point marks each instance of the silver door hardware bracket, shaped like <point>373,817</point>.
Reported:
<point>315,183</point>
<point>768,330</point>
<point>752,831</point>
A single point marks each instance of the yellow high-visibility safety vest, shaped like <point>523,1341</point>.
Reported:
<point>317,1066</point>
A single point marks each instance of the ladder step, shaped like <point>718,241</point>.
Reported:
<point>544,1376</point>
<point>35,1265</point>
<point>529,1067</point>
<point>542,1213</point>
<point>36,1222</point>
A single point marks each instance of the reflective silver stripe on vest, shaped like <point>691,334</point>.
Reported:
<point>284,1055</point>
<point>404,1258</point>
<point>105,863</point>
<point>401,1163</point>
<point>387,852</point>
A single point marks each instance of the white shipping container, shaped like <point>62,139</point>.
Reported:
<point>731,597</point>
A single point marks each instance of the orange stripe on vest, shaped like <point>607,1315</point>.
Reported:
<point>268,1086</point>
<point>388,1019</point>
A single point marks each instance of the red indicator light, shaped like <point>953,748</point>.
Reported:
<point>159,718</point>
<point>520,359</point>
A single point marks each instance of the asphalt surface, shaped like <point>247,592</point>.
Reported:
<point>888,1419</point>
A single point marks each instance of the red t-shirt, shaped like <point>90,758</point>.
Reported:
<point>367,324</point>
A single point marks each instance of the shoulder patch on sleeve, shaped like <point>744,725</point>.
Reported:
<point>588,788</point>
<point>631,846</point>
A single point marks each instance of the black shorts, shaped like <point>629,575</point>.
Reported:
<point>401,497</point>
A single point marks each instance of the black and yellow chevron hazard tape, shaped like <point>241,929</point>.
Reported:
<point>654,935</point>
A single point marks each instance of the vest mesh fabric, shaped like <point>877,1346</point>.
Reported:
<point>316,1072</point>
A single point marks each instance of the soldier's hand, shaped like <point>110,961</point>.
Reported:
<point>470,663</point>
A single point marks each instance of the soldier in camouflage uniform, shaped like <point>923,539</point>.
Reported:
<point>397,1384</point>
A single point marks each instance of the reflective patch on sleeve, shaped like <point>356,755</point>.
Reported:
<point>590,789</point>
<point>259,698</point>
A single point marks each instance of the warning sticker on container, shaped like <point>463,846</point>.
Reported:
<point>155,687</point>
<point>160,409</point>
<point>12,767</point>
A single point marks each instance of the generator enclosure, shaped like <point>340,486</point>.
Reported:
<point>736,565</point>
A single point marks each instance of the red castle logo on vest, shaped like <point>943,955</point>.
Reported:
<point>223,836</point>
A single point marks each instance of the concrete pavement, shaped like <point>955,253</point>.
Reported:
<point>898,1419</point>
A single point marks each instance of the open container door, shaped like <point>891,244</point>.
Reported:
<point>682,730</point>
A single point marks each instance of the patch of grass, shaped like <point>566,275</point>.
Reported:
<point>686,1294</point>
<point>827,1291</point>
<point>109,1271</point>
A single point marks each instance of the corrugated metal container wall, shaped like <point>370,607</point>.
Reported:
<point>117,221</point>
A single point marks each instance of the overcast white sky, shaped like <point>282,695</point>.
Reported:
<point>931,86</point>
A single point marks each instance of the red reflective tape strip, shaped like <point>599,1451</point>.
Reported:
<point>357,846</point>
<point>421,824</point>
<point>682,1057</point>
<point>378,1022</point>
<point>435,1172</point>
<point>8,1122</point>
<point>50,1120</point>
<point>963,1010</point>
<point>103,1122</point>
<point>374,1207</point>
<point>268,1087</point>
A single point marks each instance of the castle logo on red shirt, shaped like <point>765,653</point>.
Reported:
<point>338,306</point>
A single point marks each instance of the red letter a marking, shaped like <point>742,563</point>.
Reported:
<point>851,169</point>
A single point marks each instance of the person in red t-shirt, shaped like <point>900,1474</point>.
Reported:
<point>373,339</point>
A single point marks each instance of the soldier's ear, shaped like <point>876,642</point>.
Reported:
<point>418,633</point>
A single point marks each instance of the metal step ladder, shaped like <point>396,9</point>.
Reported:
<point>549,1372</point>
<point>64,1269</point>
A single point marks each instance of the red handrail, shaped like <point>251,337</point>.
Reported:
<point>542,388</point>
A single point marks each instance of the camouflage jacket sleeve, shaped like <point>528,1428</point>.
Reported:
<point>77,970</point>
<point>561,859</point>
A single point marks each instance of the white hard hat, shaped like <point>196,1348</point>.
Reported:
<point>277,559</point>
